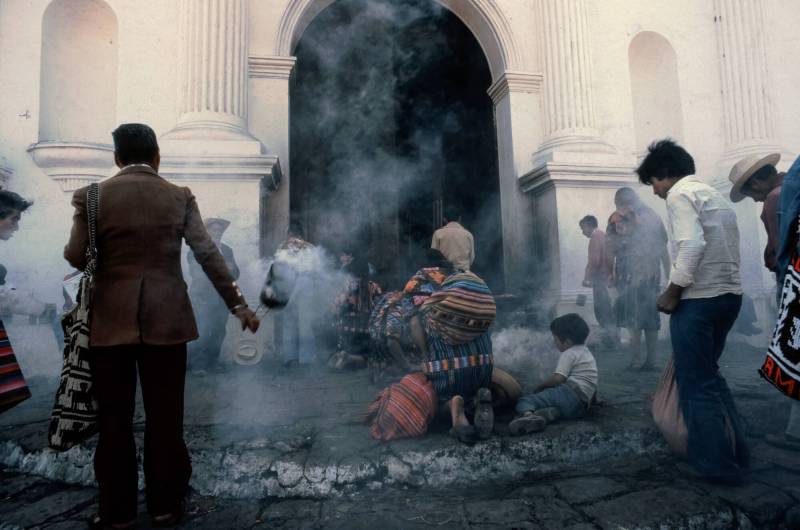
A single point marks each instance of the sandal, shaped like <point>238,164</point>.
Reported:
<point>484,414</point>
<point>464,433</point>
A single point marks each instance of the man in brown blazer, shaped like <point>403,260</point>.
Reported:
<point>142,319</point>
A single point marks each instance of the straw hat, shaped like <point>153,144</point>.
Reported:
<point>745,168</point>
<point>217,221</point>
<point>247,352</point>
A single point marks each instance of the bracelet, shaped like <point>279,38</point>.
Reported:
<point>237,307</point>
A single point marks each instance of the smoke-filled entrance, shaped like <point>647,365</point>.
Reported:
<point>390,122</point>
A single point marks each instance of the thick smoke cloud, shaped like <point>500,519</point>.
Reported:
<point>378,131</point>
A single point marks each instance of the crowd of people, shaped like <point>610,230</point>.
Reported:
<point>429,340</point>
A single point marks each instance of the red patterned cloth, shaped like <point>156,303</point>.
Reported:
<point>403,410</point>
<point>13,388</point>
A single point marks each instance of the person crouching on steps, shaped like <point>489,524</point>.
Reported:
<point>570,390</point>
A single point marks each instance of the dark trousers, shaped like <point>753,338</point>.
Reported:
<point>162,370</point>
<point>699,329</point>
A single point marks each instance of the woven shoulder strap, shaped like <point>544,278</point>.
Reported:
<point>92,205</point>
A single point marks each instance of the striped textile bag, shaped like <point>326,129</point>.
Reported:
<point>74,416</point>
<point>403,410</point>
<point>13,388</point>
<point>461,311</point>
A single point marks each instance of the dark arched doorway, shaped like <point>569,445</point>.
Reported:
<point>390,121</point>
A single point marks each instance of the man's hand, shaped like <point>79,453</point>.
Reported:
<point>587,283</point>
<point>670,299</point>
<point>248,319</point>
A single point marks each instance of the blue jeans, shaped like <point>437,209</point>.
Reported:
<point>561,397</point>
<point>699,328</point>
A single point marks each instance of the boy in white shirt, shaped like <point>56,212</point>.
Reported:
<point>570,390</point>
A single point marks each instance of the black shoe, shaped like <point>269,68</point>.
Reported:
<point>527,424</point>
<point>168,519</point>
<point>96,522</point>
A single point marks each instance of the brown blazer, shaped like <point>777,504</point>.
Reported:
<point>139,293</point>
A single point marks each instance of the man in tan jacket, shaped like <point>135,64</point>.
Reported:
<point>142,319</point>
<point>454,241</point>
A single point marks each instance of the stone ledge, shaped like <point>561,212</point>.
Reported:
<point>293,468</point>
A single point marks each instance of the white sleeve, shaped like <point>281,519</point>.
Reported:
<point>687,235</point>
<point>565,363</point>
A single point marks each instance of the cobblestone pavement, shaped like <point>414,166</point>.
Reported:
<point>277,449</point>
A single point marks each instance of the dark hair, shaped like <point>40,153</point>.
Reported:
<point>764,173</point>
<point>297,228</point>
<point>570,327</point>
<point>590,220</point>
<point>3,273</point>
<point>359,267</point>
<point>135,143</point>
<point>434,258</point>
<point>626,197</point>
<point>665,159</point>
<point>452,213</point>
<point>11,203</point>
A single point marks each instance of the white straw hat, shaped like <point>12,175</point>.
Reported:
<point>745,168</point>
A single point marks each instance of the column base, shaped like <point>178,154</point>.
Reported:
<point>73,164</point>
<point>575,141</point>
<point>578,169</point>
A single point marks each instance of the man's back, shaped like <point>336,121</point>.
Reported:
<point>140,294</point>
<point>456,243</point>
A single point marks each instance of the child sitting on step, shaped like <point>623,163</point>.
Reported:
<point>570,390</point>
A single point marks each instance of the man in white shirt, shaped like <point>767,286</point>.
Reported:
<point>703,298</point>
<point>455,241</point>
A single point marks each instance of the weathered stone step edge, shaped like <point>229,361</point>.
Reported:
<point>252,473</point>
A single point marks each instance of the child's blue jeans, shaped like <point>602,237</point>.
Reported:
<point>562,397</point>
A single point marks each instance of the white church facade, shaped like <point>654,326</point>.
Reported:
<point>579,88</point>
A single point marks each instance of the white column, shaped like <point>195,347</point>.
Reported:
<point>213,66</point>
<point>747,113</point>
<point>5,173</point>
<point>517,109</point>
<point>569,111</point>
<point>574,171</point>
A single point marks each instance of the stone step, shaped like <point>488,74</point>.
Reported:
<point>310,463</point>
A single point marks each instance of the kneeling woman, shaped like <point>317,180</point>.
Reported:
<point>451,329</point>
<point>397,345</point>
<point>458,349</point>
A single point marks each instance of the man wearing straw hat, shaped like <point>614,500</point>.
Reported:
<point>210,310</point>
<point>756,177</point>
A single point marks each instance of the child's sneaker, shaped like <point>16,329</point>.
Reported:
<point>550,414</point>
<point>484,414</point>
<point>527,424</point>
